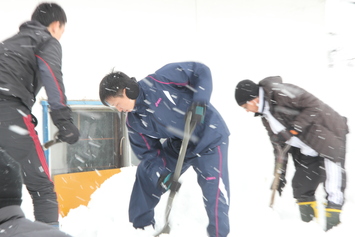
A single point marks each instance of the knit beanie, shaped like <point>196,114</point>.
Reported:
<point>10,181</point>
<point>245,91</point>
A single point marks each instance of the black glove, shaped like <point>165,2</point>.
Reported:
<point>62,119</point>
<point>283,136</point>
<point>282,183</point>
<point>166,182</point>
<point>198,110</point>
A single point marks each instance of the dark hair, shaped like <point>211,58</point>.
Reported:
<point>113,84</point>
<point>46,13</point>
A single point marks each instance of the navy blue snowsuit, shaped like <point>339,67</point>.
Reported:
<point>156,130</point>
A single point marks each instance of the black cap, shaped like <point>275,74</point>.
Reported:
<point>10,181</point>
<point>245,91</point>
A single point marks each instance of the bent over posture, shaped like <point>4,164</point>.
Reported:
<point>316,133</point>
<point>157,106</point>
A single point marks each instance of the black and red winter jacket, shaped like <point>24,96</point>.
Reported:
<point>29,60</point>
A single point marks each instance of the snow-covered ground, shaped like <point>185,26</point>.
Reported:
<point>238,40</point>
<point>250,215</point>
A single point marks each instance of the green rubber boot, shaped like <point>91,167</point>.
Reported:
<point>308,210</point>
<point>333,217</point>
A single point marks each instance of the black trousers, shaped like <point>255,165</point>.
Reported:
<point>312,171</point>
<point>19,139</point>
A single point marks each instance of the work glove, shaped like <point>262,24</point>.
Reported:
<point>198,110</point>
<point>166,182</point>
<point>282,183</point>
<point>62,119</point>
<point>283,136</point>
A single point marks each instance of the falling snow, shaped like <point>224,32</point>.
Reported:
<point>18,130</point>
<point>107,212</point>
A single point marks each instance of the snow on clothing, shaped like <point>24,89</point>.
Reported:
<point>322,129</point>
<point>159,113</point>
<point>14,224</point>
<point>19,138</point>
<point>28,60</point>
<point>277,127</point>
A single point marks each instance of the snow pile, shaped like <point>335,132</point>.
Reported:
<point>107,213</point>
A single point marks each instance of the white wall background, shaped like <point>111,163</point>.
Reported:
<point>237,39</point>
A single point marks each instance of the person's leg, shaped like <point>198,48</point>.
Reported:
<point>20,140</point>
<point>334,185</point>
<point>213,178</point>
<point>308,175</point>
<point>146,190</point>
<point>145,194</point>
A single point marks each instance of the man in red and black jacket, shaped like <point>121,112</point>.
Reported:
<point>29,60</point>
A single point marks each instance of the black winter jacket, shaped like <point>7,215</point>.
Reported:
<point>28,60</point>
<point>322,128</point>
<point>14,224</point>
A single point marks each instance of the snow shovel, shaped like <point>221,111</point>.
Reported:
<point>189,128</point>
<point>280,165</point>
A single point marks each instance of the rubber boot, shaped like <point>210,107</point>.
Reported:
<point>308,210</point>
<point>333,217</point>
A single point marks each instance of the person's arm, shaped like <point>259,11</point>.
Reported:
<point>283,169</point>
<point>49,60</point>
<point>195,76</point>
<point>143,146</point>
